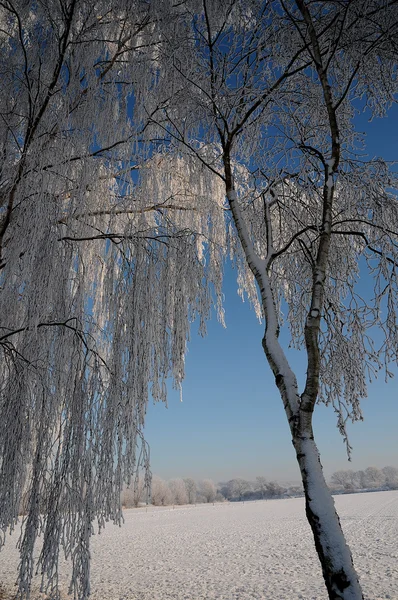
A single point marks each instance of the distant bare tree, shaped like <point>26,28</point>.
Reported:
<point>295,490</point>
<point>219,497</point>
<point>178,491</point>
<point>239,487</point>
<point>160,492</point>
<point>208,490</point>
<point>134,493</point>
<point>391,477</point>
<point>190,486</point>
<point>373,477</point>
<point>348,480</point>
<point>261,486</point>
<point>126,497</point>
<point>274,489</point>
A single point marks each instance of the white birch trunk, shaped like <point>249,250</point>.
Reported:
<point>334,554</point>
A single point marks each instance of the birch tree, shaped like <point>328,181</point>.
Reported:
<point>142,144</point>
<point>265,96</point>
<point>101,270</point>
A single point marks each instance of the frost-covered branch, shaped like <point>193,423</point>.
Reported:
<point>143,145</point>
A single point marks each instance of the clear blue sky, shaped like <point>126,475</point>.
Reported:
<point>231,422</point>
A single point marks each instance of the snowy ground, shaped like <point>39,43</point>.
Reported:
<point>252,551</point>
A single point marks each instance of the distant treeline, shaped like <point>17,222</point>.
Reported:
<point>188,491</point>
<point>369,479</point>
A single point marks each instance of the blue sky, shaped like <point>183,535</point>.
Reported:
<point>231,422</point>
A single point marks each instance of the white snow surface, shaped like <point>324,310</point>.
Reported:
<point>240,551</point>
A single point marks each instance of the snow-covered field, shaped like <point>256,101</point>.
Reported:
<point>256,550</point>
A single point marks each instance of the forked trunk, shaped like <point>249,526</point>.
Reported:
<point>334,554</point>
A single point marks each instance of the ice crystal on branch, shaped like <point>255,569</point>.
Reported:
<point>142,144</point>
<point>107,255</point>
